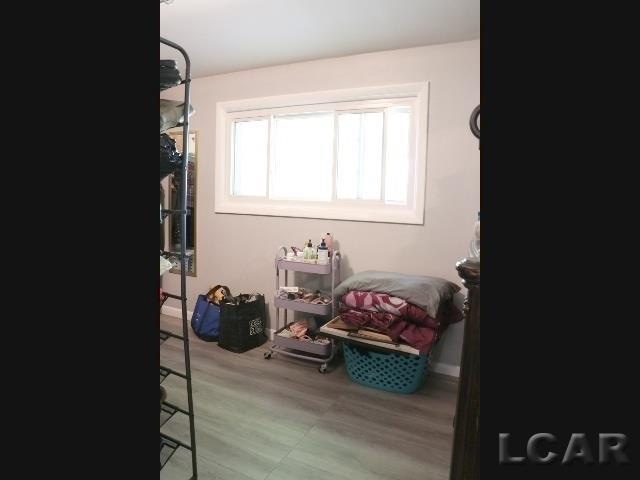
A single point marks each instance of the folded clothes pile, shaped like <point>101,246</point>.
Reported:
<point>300,331</point>
<point>171,115</point>
<point>379,301</point>
<point>169,74</point>
<point>170,159</point>
<point>315,297</point>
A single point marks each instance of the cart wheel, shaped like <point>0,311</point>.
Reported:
<point>267,355</point>
<point>322,368</point>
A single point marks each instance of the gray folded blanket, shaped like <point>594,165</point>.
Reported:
<point>422,291</point>
<point>172,114</point>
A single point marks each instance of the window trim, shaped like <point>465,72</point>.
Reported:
<point>356,210</point>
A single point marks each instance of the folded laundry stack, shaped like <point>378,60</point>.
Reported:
<point>171,115</point>
<point>169,74</point>
<point>410,309</point>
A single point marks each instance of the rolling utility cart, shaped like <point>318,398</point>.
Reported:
<point>292,347</point>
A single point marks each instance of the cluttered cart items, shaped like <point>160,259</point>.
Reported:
<point>319,253</point>
<point>301,331</point>
<point>315,297</point>
<point>288,340</point>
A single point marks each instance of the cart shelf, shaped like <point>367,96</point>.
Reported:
<point>298,266</point>
<point>299,306</point>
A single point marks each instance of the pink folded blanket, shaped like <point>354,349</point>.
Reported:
<point>402,321</point>
<point>381,302</point>
<point>401,331</point>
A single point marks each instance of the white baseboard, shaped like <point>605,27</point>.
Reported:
<point>446,369</point>
<point>175,312</point>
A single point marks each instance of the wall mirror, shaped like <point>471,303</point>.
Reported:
<point>172,201</point>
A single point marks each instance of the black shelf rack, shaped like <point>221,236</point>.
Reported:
<point>167,408</point>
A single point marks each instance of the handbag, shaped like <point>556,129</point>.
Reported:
<point>205,320</point>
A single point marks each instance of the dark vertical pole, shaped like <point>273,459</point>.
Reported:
<point>465,455</point>
<point>183,242</point>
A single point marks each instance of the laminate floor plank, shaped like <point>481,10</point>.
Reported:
<point>280,419</point>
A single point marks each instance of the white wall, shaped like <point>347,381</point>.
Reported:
<point>238,250</point>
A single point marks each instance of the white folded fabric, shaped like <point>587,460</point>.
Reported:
<point>165,265</point>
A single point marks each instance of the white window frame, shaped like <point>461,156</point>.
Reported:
<point>371,98</point>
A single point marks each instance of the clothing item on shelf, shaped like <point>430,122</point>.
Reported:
<point>172,114</point>
<point>169,74</point>
<point>165,265</point>
<point>170,159</point>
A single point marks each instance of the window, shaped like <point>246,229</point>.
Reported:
<point>352,154</point>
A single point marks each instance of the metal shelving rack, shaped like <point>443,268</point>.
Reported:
<point>166,441</point>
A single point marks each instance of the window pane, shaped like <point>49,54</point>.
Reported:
<point>359,155</point>
<point>397,161</point>
<point>250,148</point>
<point>302,157</point>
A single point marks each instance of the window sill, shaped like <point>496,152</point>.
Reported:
<point>376,214</point>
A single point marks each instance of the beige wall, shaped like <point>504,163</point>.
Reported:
<point>238,250</point>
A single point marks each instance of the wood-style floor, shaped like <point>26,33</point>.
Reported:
<point>280,419</point>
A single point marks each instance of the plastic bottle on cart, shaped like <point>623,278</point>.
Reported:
<point>329,241</point>
<point>323,253</point>
<point>309,253</point>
